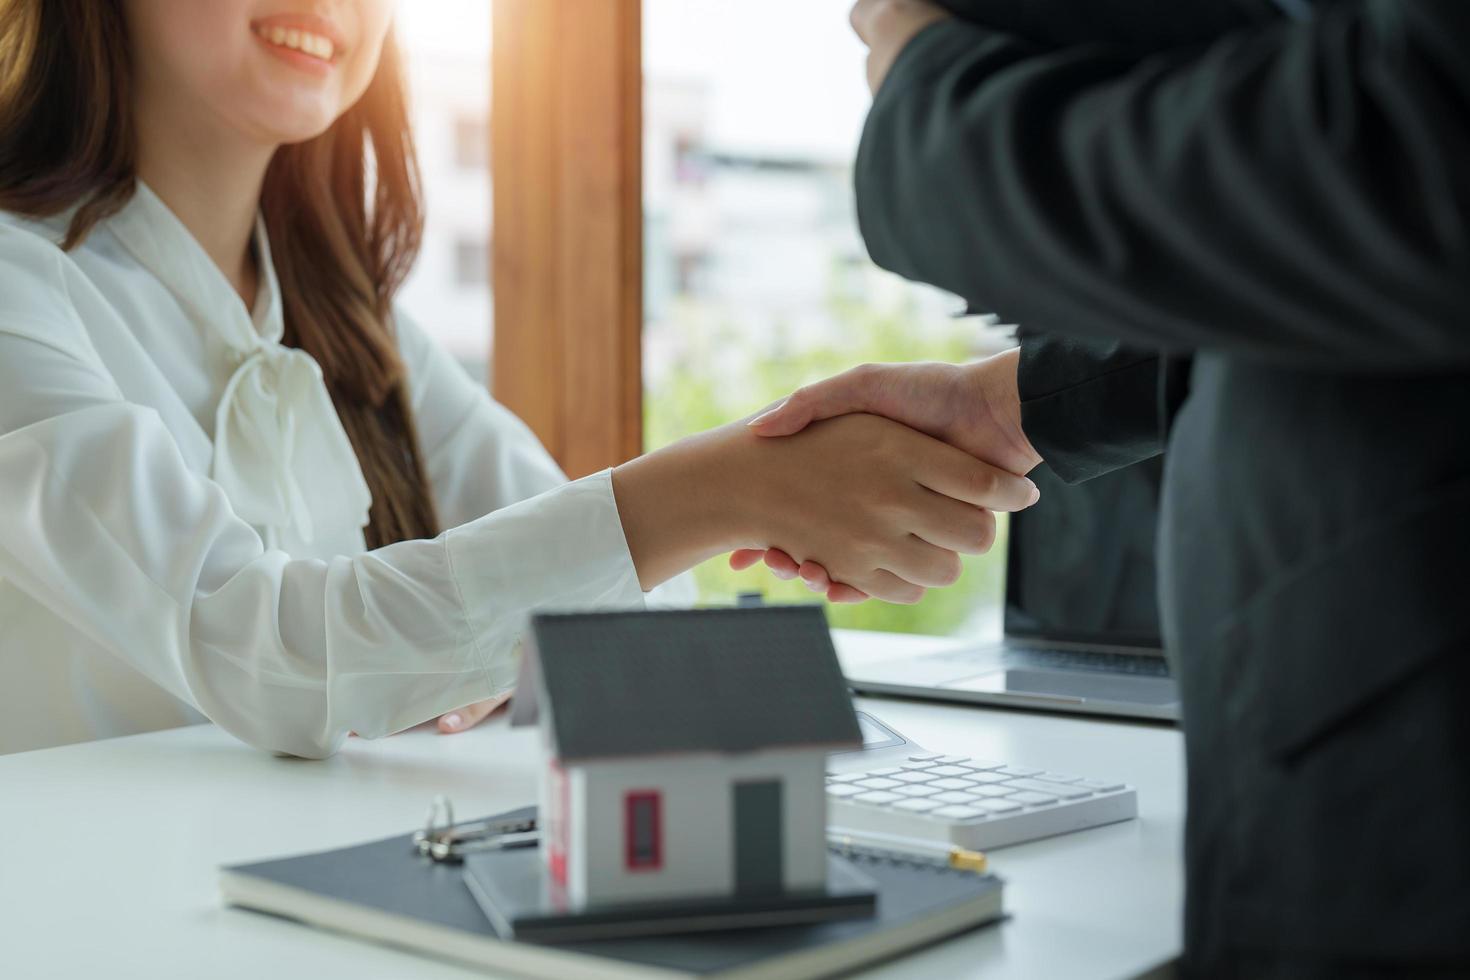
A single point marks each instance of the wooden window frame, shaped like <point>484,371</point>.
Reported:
<point>567,253</point>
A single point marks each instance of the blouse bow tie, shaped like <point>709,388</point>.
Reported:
<point>281,455</point>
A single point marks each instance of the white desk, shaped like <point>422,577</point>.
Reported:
<point>108,850</point>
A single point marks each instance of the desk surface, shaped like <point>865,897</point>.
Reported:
<point>108,850</point>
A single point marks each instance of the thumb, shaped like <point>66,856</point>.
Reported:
<point>850,391</point>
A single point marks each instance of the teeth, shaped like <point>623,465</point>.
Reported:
<point>306,42</point>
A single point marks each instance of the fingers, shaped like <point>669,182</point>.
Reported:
<point>959,475</point>
<point>743,558</point>
<point>851,391</point>
<point>920,563</point>
<point>815,576</point>
<point>470,715</point>
<point>885,585</point>
<point>782,565</point>
<point>946,523</point>
<point>818,580</point>
<point>846,594</point>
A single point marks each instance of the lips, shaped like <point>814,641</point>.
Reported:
<point>300,36</point>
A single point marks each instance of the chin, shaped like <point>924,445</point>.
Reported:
<point>293,125</point>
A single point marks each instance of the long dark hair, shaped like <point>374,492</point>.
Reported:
<point>67,139</point>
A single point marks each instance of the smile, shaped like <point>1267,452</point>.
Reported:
<point>299,40</point>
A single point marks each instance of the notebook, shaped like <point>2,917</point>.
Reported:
<point>384,891</point>
<point>512,891</point>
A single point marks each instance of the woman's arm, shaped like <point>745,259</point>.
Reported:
<point>107,527</point>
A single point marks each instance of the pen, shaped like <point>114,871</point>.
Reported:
<point>960,858</point>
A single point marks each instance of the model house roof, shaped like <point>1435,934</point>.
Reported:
<point>721,680</point>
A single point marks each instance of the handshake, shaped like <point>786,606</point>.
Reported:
<point>941,449</point>
<point>868,484</point>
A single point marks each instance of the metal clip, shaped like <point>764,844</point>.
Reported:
<point>442,841</point>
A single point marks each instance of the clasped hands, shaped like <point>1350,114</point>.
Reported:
<point>930,398</point>
<point>974,407</point>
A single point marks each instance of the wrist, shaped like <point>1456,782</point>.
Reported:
<point>997,388</point>
<point>677,507</point>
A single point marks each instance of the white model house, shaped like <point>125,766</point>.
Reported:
<point>684,751</point>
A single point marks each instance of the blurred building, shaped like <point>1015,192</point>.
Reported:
<point>448,52</point>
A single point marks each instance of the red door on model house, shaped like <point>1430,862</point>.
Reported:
<point>643,828</point>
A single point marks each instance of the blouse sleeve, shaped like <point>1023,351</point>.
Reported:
<point>479,455</point>
<point>106,526</point>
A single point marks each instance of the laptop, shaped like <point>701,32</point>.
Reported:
<point>1081,627</point>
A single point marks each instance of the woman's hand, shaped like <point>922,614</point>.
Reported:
<point>974,407</point>
<point>463,719</point>
<point>882,507</point>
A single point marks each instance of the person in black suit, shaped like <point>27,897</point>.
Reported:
<point>1236,232</point>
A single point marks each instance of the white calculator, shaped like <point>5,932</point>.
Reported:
<point>894,786</point>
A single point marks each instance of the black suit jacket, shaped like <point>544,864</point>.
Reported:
<point>1245,237</point>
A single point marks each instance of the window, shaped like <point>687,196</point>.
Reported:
<point>446,48</point>
<point>756,279</point>
<point>625,322</point>
<point>471,262</point>
<point>472,142</point>
<point>644,830</point>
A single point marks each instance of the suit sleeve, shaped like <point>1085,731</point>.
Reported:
<point>1089,407</point>
<point>1294,193</point>
<point>1137,25</point>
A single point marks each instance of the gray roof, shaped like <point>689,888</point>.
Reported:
<point>723,680</point>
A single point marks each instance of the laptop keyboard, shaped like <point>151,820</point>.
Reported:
<point>973,803</point>
<point>1111,663</point>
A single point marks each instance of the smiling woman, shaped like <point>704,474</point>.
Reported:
<point>227,454</point>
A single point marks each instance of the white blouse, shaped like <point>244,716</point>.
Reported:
<point>181,513</point>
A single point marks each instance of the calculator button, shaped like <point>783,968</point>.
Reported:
<point>957,812</point>
<point>949,771</point>
<point>877,796</point>
<point>949,760</point>
<point>923,756</point>
<point>1099,785</point>
<point>1065,790</point>
<point>918,789</point>
<point>999,806</point>
<point>1017,771</point>
<point>878,783</point>
<point>988,777</point>
<point>1057,777</point>
<point>914,777</point>
<point>953,797</point>
<point>952,783</point>
<point>847,777</point>
<point>840,790</point>
<point>1031,799</point>
<point>1034,786</point>
<point>884,772</point>
<point>915,806</point>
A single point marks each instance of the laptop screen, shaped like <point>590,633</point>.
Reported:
<point>1080,564</point>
